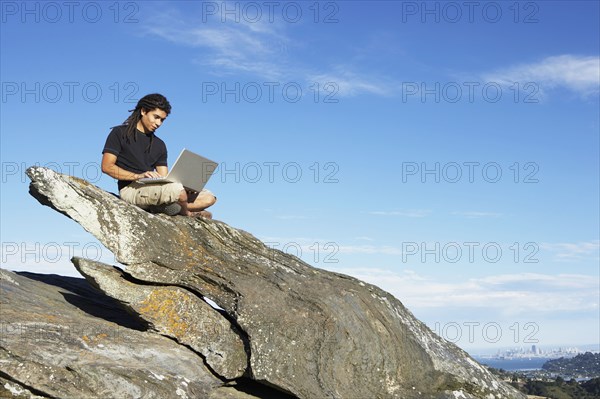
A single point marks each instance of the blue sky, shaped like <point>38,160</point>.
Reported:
<point>448,154</point>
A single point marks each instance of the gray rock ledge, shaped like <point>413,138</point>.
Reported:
<point>310,332</point>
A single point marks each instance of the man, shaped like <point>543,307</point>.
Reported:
<point>132,151</point>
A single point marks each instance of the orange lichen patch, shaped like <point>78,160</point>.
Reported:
<point>93,339</point>
<point>41,317</point>
<point>190,250</point>
<point>184,242</point>
<point>162,308</point>
<point>45,317</point>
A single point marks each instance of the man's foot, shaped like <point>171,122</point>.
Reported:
<point>201,214</point>
<point>168,209</point>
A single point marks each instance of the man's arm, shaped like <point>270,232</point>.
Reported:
<point>109,166</point>
<point>162,170</point>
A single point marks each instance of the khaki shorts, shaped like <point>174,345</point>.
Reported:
<point>145,195</point>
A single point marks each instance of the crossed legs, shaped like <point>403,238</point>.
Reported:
<point>194,204</point>
<point>147,196</point>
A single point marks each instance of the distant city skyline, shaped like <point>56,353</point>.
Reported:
<point>542,351</point>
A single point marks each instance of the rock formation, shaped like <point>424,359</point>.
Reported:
<point>59,338</point>
<point>176,313</point>
<point>304,331</point>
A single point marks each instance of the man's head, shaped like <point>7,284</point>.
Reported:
<point>151,120</point>
<point>149,113</point>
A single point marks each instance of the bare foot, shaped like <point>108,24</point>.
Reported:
<point>201,214</point>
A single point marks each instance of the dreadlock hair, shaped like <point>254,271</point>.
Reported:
<point>147,103</point>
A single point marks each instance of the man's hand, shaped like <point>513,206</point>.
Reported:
<point>149,173</point>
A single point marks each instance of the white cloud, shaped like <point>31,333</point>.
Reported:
<point>573,251</point>
<point>545,281</point>
<point>234,47</point>
<point>291,217</point>
<point>324,246</point>
<point>580,74</point>
<point>369,249</point>
<point>477,214</point>
<point>347,83</point>
<point>260,49</point>
<point>508,294</point>
<point>411,213</point>
<point>583,251</point>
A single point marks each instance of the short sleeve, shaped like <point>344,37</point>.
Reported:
<point>162,158</point>
<point>113,143</point>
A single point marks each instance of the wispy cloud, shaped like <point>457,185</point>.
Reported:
<point>477,214</point>
<point>509,294</point>
<point>349,83</point>
<point>566,251</point>
<point>291,217</point>
<point>561,252</point>
<point>235,47</point>
<point>370,249</point>
<point>259,49</point>
<point>411,213</point>
<point>580,74</point>
<point>308,246</point>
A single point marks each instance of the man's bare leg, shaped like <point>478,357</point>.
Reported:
<point>195,204</point>
<point>183,202</point>
<point>198,202</point>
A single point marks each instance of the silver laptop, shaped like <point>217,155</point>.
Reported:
<point>191,170</point>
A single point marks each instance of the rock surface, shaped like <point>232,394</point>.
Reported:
<point>309,332</point>
<point>61,338</point>
<point>177,313</point>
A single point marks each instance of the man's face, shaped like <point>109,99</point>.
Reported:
<point>151,120</point>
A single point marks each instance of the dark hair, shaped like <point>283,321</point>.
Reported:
<point>147,103</point>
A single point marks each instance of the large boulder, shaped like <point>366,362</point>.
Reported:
<point>307,331</point>
<point>60,338</point>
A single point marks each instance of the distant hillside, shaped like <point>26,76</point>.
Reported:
<point>561,389</point>
<point>587,363</point>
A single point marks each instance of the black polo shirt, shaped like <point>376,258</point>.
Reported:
<point>135,154</point>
